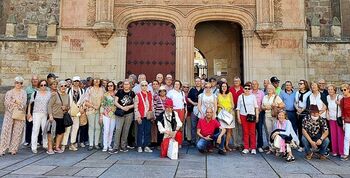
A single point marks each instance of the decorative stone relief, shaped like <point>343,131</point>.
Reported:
<point>265,36</point>
<point>91,18</point>
<point>104,26</point>
<point>278,14</point>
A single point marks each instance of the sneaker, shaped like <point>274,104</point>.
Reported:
<point>221,152</point>
<point>50,152</point>
<point>260,150</point>
<point>35,151</point>
<point>113,151</point>
<point>253,151</point>
<point>58,151</point>
<point>110,149</point>
<point>139,149</point>
<point>300,149</point>
<point>82,145</point>
<point>97,147</point>
<point>104,149</point>
<point>323,157</point>
<point>245,151</point>
<point>73,148</point>
<point>130,147</point>
<point>125,150</point>
<point>290,159</point>
<point>148,150</point>
<point>334,154</point>
<point>26,144</point>
<point>63,147</point>
<point>90,148</point>
<point>309,156</point>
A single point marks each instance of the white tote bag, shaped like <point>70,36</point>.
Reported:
<point>225,116</point>
<point>173,149</point>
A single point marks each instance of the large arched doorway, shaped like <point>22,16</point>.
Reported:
<point>221,43</point>
<point>151,48</point>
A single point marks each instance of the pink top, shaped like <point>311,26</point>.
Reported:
<point>259,96</point>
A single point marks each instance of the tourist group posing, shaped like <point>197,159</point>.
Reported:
<point>117,117</point>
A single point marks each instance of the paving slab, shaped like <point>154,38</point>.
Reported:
<point>34,170</point>
<point>290,175</point>
<point>91,172</point>
<point>64,171</point>
<point>145,171</point>
<point>191,165</point>
<point>2,172</point>
<point>26,162</point>
<point>68,158</point>
<point>132,162</point>
<point>163,162</point>
<point>191,173</point>
<point>329,167</point>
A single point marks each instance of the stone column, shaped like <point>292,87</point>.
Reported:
<point>248,54</point>
<point>104,26</point>
<point>185,55</point>
<point>121,37</point>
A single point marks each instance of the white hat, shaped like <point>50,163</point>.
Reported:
<point>161,88</point>
<point>76,78</point>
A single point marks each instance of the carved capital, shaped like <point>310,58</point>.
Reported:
<point>104,31</point>
<point>121,32</point>
<point>248,33</point>
<point>185,33</point>
<point>265,36</point>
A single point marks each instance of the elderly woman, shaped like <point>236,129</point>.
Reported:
<point>53,86</point>
<point>14,118</point>
<point>179,98</point>
<point>93,104</point>
<point>158,105</point>
<point>206,100</point>
<point>40,99</point>
<point>269,101</point>
<point>316,98</point>
<point>345,108</point>
<point>283,137</point>
<point>58,105</point>
<point>143,108</point>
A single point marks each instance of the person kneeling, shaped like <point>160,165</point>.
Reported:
<point>315,133</point>
<point>169,124</point>
<point>209,130</point>
<point>283,137</point>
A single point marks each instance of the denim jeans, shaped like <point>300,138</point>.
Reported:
<point>259,129</point>
<point>292,117</point>
<point>203,144</point>
<point>194,122</point>
<point>143,133</point>
<point>322,147</point>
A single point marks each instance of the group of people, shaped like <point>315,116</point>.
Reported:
<point>134,113</point>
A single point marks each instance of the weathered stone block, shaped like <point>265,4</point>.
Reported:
<point>32,30</point>
<point>10,30</point>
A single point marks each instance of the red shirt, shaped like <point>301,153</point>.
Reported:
<point>235,94</point>
<point>345,109</point>
<point>208,128</point>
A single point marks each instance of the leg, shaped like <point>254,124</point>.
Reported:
<point>194,121</point>
<point>29,127</point>
<point>340,138</point>
<point>188,128</point>
<point>324,146</point>
<point>147,132</point>
<point>252,136</point>
<point>347,139</point>
<point>91,120</point>
<point>110,135</point>
<point>202,145</point>
<point>128,119</point>
<point>118,132</point>
<point>43,119</point>
<point>6,133</point>
<point>35,133</point>
<point>228,138</point>
<point>306,144</point>
<point>268,127</point>
<point>293,119</point>
<point>259,127</point>
<point>59,138</point>
<point>97,129</point>
<point>223,139</point>
<point>66,135</point>
<point>75,128</point>
<point>300,127</point>
<point>106,125</point>
<point>49,142</point>
<point>334,140</point>
<point>140,133</point>
<point>16,136</point>
<point>245,131</point>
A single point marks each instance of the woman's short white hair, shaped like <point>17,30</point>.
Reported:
<point>62,83</point>
<point>143,82</point>
<point>19,79</point>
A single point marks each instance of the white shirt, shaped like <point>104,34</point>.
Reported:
<point>301,104</point>
<point>332,107</point>
<point>167,124</point>
<point>250,103</point>
<point>268,101</point>
<point>316,100</point>
<point>178,98</point>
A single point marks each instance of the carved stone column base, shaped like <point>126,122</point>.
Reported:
<point>265,36</point>
<point>104,31</point>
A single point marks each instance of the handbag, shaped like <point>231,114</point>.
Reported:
<point>119,112</point>
<point>67,119</point>
<point>339,119</point>
<point>225,116</point>
<point>173,149</point>
<point>18,115</point>
<point>74,110</point>
<point>275,109</point>
<point>250,117</point>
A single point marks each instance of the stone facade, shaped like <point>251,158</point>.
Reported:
<point>292,39</point>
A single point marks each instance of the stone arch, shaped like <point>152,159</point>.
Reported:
<point>234,14</point>
<point>162,13</point>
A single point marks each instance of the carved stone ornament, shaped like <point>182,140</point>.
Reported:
<point>265,36</point>
<point>104,31</point>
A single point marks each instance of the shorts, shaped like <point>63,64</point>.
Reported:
<point>60,128</point>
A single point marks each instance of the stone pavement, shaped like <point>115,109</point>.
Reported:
<point>191,163</point>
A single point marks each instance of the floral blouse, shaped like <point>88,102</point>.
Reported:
<point>107,106</point>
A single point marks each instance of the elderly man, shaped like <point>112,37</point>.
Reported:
<point>168,82</point>
<point>259,95</point>
<point>323,90</point>
<point>137,87</point>
<point>209,130</point>
<point>315,134</point>
<point>237,90</point>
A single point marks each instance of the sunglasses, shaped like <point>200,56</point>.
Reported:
<point>300,83</point>
<point>247,88</point>
<point>43,85</point>
<point>343,90</point>
<point>76,81</point>
<point>186,87</point>
<point>63,86</point>
<point>19,83</point>
<point>143,85</point>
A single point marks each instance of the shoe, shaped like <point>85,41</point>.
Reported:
<point>97,147</point>
<point>148,150</point>
<point>90,148</point>
<point>253,151</point>
<point>221,152</point>
<point>13,153</point>
<point>260,150</point>
<point>323,157</point>
<point>50,152</point>
<point>309,156</point>
<point>110,149</point>
<point>104,149</point>
<point>290,159</point>
<point>125,150</point>
<point>35,151</point>
<point>300,149</point>
<point>245,151</point>
<point>334,154</point>
<point>63,147</point>
<point>130,147</point>
<point>344,157</point>
<point>26,144</point>
<point>113,151</point>
<point>73,148</point>
<point>58,151</point>
<point>139,149</point>
<point>82,145</point>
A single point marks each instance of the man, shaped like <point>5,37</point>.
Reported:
<point>266,83</point>
<point>192,103</point>
<point>89,81</point>
<point>133,79</point>
<point>204,77</point>
<point>315,134</point>
<point>259,95</point>
<point>209,130</point>
<point>169,124</point>
<point>29,125</point>
<point>155,87</point>
<point>51,77</point>
<point>323,90</point>
<point>237,90</point>
<point>288,96</point>
<point>168,82</point>
<point>160,78</point>
<point>137,87</point>
<point>275,82</point>
<point>69,82</point>
<point>214,87</point>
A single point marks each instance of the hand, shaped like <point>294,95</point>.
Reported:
<point>313,144</point>
<point>208,138</point>
<point>218,140</point>
<point>64,108</point>
<point>275,134</point>
<point>319,142</point>
<point>338,102</point>
<point>173,135</point>
<point>29,117</point>
<point>239,121</point>
<point>168,132</point>
<point>139,120</point>
<point>100,121</point>
<point>124,108</point>
<point>51,119</point>
<point>299,110</point>
<point>257,119</point>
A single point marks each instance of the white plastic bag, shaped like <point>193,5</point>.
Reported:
<point>225,116</point>
<point>173,149</point>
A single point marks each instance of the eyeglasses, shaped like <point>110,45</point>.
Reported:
<point>143,85</point>
<point>63,86</point>
<point>43,85</point>
<point>247,88</point>
<point>343,89</point>
<point>300,83</point>
<point>19,83</point>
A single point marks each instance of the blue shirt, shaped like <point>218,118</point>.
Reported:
<point>288,99</point>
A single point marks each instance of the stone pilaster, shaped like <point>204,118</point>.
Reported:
<point>265,21</point>
<point>104,26</point>
<point>248,54</point>
<point>52,27</point>
<point>121,52</point>
<point>185,55</point>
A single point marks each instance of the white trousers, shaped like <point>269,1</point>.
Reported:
<point>108,129</point>
<point>346,138</point>
<point>72,131</point>
<point>39,121</point>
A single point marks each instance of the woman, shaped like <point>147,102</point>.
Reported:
<point>58,105</point>
<point>206,100</point>
<point>93,104</point>
<point>269,101</point>
<point>333,112</point>
<point>143,108</point>
<point>300,104</point>
<point>158,105</point>
<point>283,137</point>
<point>225,101</point>
<point>187,123</point>
<point>154,129</point>
<point>179,99</point>
<point>315,98</point>
<point>53,86</point>
<point>107,115</point>
<point>11,132</point>
<point>247,106</point>
<point>40,99</point>
<point>345,108</point>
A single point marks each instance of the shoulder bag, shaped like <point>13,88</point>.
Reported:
<point>67,119</point>
<point>250,117</point>
<point>339,118</point>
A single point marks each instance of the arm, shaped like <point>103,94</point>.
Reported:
<point>281,103</point>
<point>324,108</point>
<point>161,129</point>
<point>199,105</point>
<point>136,111</point>
<point>178,121</point>
<point>52,101</point>
<point>215,105</point>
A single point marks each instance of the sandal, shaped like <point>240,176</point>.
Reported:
<point>344,157</point>
<point>228,149</point>
<point>13,153</point>
<point>290,159</point>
